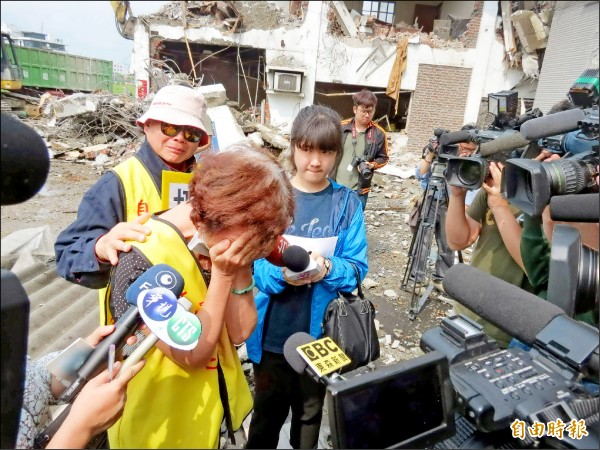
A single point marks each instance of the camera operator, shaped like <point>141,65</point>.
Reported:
<point>536,246</point>
<point>492,221</point>
<point>445,255</point>
<point>365,147</point>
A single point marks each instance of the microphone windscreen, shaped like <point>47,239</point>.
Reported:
<point>553,124</point>
<point>290,351</point>
<point>503,143</point>
<point>24,161</point>
<point>575,208</point>
<point>276,255</point>
<point>160,275</point>
<point>296,258</point>
<point>513,310</point>
<point>455,137</point>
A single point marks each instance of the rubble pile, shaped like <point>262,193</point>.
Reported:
<point>229,16</point>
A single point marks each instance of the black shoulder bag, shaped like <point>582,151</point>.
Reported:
<point>350,321</point>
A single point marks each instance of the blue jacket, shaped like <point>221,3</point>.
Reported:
<point>348,224</point>
<point>102,207</point>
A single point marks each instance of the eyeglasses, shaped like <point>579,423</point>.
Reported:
<point>365,112</point>
<point>190,134</point>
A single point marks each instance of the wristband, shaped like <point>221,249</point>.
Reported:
<point>245,290</point>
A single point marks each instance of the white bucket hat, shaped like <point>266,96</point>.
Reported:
<point>178,105</point>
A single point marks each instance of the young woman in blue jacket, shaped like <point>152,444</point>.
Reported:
<point>325,212</point>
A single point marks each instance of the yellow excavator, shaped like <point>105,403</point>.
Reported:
<point>124,19</point>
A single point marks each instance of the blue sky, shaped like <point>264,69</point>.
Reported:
<point>87,28</point>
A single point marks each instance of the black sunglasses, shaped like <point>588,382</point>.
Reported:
<point>190,134</point>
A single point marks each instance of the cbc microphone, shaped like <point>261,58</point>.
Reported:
<point>276,255</point>
<point>25,161</point>
<point>293,358</point>
<point>552,124</point>
<point>298,263</point>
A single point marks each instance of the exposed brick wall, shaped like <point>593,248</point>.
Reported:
<point>439,100</point>
<point>469,37</point>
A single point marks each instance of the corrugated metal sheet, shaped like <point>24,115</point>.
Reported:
<point>60,311</point>
<point>572,41</point>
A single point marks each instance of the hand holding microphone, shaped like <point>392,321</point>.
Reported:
<point>302,267</point>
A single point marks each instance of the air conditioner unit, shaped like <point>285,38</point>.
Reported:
<point>288,81</point>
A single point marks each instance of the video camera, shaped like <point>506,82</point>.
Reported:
<point>471,171</point>
<point>466,392</point>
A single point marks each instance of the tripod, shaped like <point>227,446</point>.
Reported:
<point>419,251</point>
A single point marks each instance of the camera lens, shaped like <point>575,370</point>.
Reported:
<point>569,177</point>
<point>469,173</point>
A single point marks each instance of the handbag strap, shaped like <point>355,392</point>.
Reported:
<point>358,283</point>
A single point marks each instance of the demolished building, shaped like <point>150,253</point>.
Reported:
<point>435,60</point>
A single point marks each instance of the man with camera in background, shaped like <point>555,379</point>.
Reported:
<point>365,147</point>
<point>423,172</point>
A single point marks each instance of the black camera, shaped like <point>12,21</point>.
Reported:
<point>573,278</point>
<point>529,184</point>
<point>362,167</point>
<point>466,392</point>
<point>468,172</point>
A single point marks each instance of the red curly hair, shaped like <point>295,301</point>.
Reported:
<point>241,187</point>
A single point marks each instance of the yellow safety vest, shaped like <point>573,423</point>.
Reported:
<point>141,196</point>
<point>168,406</point>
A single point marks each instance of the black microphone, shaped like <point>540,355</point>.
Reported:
<point>513,310</point>
<point>293,358</point>
<point>504,143</point>
<point>296,258</point>
<point>552,124</point>
<point>455,137</point>
<point>298,263</point>
<point>575,208</point>
<point>25,161</point>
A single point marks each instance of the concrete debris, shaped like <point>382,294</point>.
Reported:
<point>368,283</point>
<point>229,16</point>
<point>390,293</point>
<point>370,28</point>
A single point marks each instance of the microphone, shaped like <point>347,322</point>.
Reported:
<point>148,342</point>
<point>504,143</point>
<point>520,314</point>
<point>298,364</point>
<point>575,208</point>
<point>160,275</point>
<point>25,161</point>
<point>276,255</point>
<point>298,263</point>
<point>552,124</point>
<point>455,137</point>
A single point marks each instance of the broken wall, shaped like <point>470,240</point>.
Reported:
<point>438,101</point>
